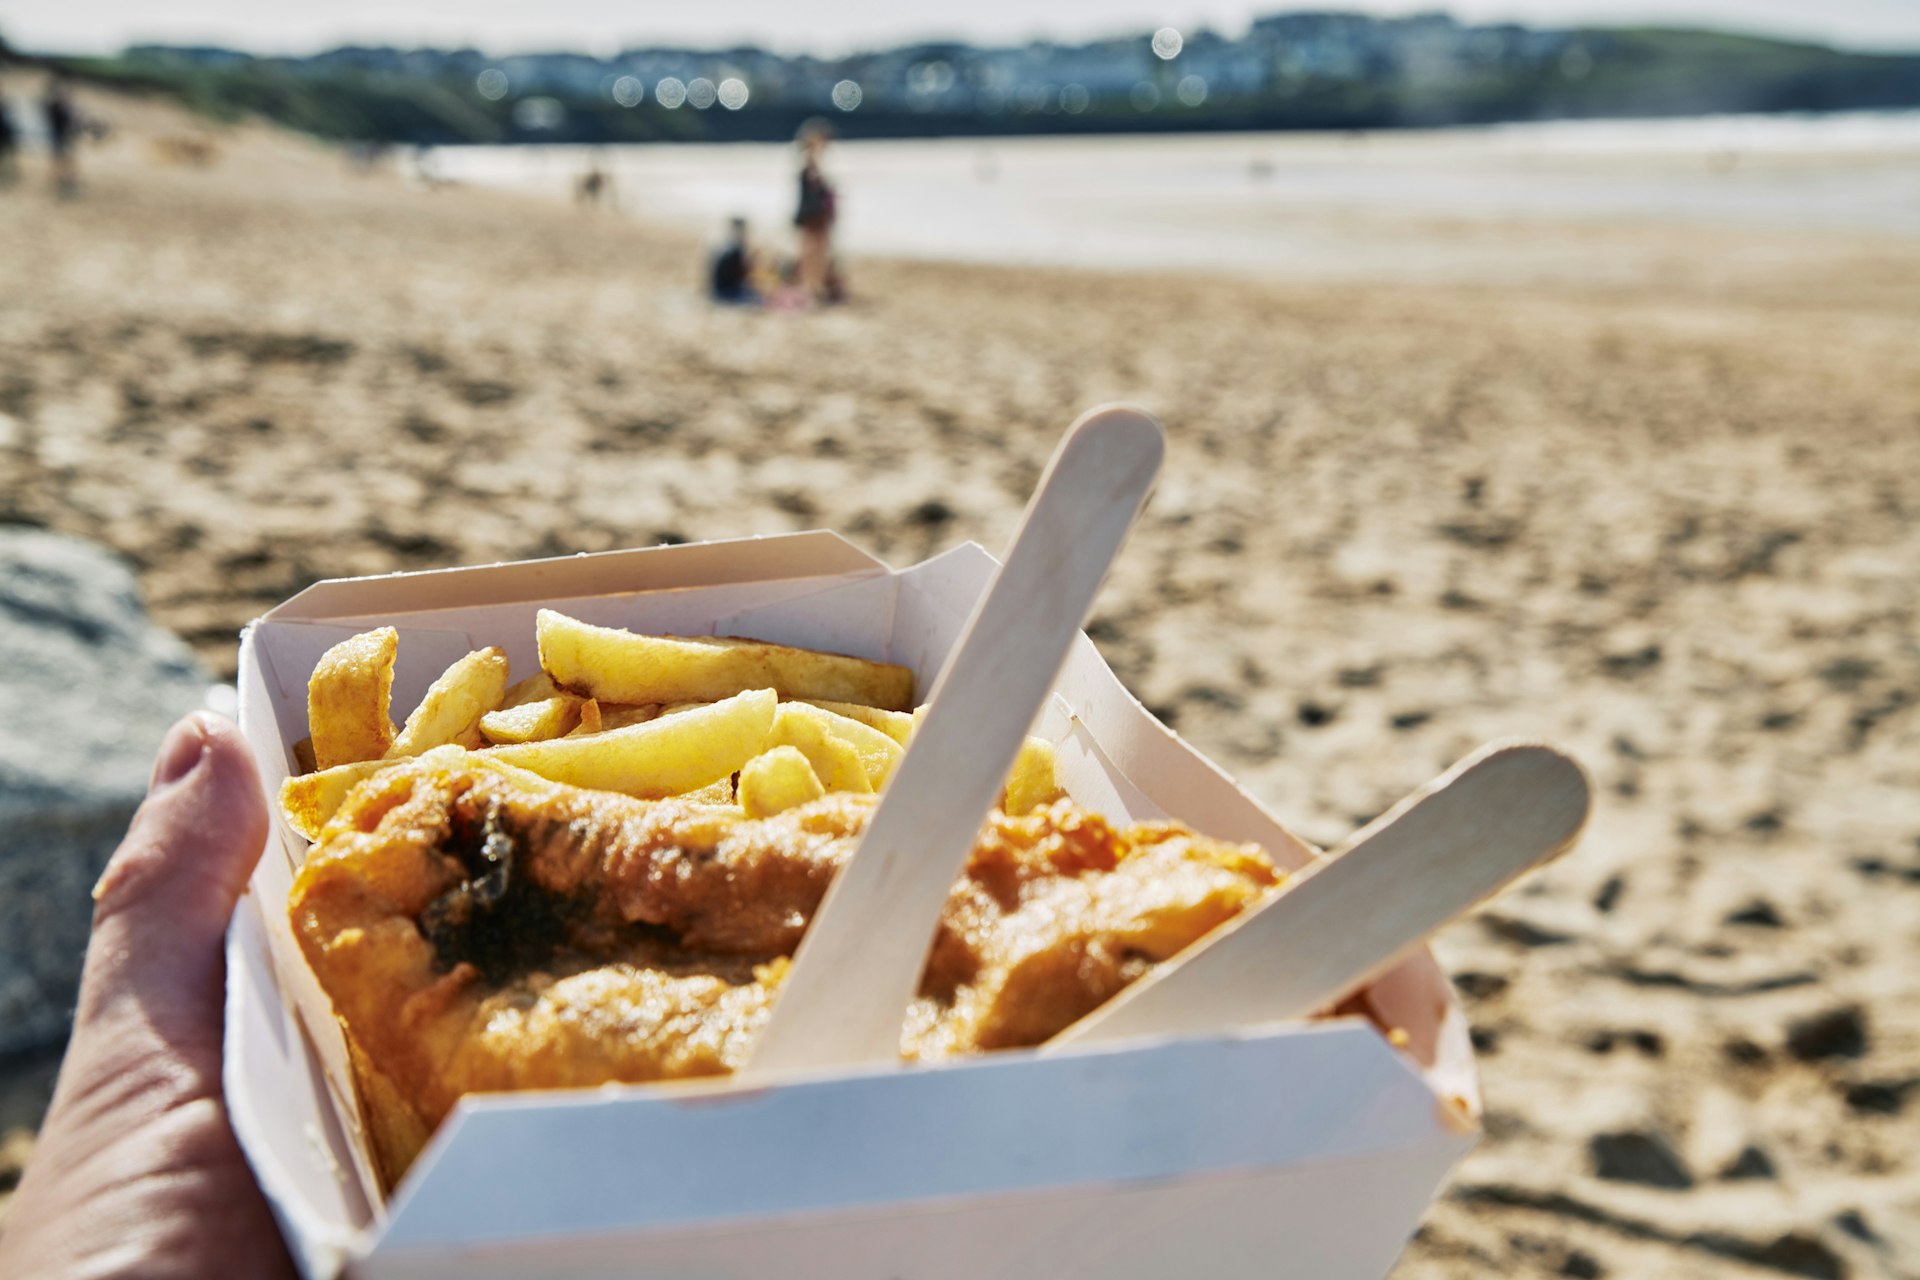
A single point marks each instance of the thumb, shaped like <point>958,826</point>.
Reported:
<point>161,908</point>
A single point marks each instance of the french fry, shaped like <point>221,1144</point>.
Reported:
<point>597,716</point>
<point>527,779</point>
<point>897,725</point>
<point>615,715</point>
<point>1031,782</point>
<point>619,666</point>
<point>658,758</point>
<point>537,687</point>
<point>349,697</point>
<point>878,752</point>
<point>689,743</point>
<point>835,761</point>
<point>720,792</point>
<point>589,719</point>
<point>533,721</point>
<point>454,705</point>
<point>310,800</point>
<point>777,780</point>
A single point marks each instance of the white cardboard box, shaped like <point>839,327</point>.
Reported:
<point>1290,1150</point>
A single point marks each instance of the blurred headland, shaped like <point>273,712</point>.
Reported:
<point>1316,71</point>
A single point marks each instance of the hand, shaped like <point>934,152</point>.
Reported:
<point>136,1171</point>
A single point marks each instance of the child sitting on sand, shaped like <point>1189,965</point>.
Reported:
<point>731,280</point>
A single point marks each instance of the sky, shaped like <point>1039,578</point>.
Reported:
<point>603,26</point>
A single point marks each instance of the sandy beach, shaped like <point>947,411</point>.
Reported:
<point>1667,514</point>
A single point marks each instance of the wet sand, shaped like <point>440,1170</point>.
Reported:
<point>1436,206</point>
<point>1668,520</point>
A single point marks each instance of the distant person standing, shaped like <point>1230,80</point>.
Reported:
<point>595,187</point>
<point>815,216</point>
<point>9,145</point>
<point>63,128</point>
<point>426,168</point>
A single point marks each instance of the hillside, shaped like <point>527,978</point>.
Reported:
<point>1295,71</point>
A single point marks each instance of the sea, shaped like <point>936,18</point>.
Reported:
<point>1266,202</point>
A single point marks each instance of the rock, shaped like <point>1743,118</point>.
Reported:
<point>1638,1156</point>
<point>1632,661</point>
<point>1521,932</point>
<point>1314,715</point>
<point>1649,1043</point>
<point>87,689</point>
<point>1751,1163</point>
<point>931,514</point>
<point>1879,1097</point>
<point>1581,1266</point>
<point>1795,1253</point>
<point>1844,674</point>
<point>1832,1033</point>
<point>1609,896</point>
<point>1479,986</point>
<point>1759,914</point>
<point>1854,1223</point>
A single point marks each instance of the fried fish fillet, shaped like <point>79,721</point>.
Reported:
<point>478,928</point>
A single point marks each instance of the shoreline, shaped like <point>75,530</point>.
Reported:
<point>1512,205</point>
<point>1892,128</point>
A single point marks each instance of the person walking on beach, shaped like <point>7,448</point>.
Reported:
<point>819,278</point>
<point>63,127</point>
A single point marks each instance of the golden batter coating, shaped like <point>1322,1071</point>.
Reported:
<point>479,929</point>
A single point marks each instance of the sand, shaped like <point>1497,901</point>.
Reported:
<point>1668,521</point>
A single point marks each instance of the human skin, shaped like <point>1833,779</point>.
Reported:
<point>136,1171</point>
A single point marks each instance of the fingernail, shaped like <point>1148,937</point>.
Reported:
<point>185,744</point>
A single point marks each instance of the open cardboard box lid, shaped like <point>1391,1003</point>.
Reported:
<point>1316,1144</point>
